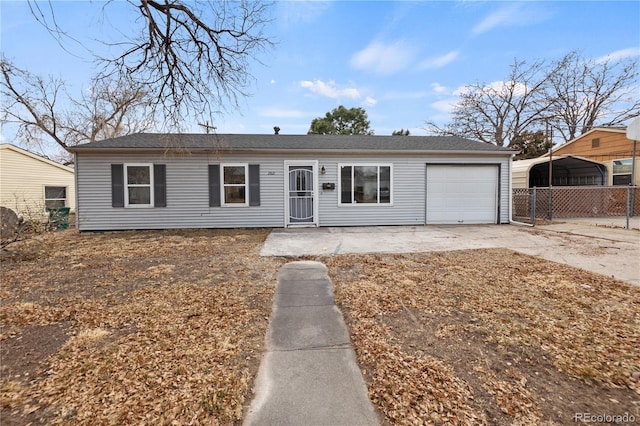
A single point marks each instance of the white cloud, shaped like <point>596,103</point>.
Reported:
<point>330,89</point>
<point>384,58</point>
<point>440,61</point>
<point>294,13</point>
<point>619,55</point>
<point>496,87</point>
<point>505,16</point>
<point>505,87</point>
<point>462,90</point>
<point>439,88</point>
<point>282,113</point>
<point>369,101</point>
<point>445,105</point>
<point>518,14</point>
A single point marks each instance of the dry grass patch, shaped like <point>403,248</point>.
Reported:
<point>134,327</point>
<point>490,337</point>
<point>168,326</point>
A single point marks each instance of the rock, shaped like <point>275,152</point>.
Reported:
<point>9,223</point>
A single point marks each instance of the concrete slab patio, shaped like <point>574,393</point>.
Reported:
<point>609,251</point>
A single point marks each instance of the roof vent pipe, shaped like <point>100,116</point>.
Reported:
<point>276,130</point>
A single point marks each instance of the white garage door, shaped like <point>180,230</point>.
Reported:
<point>462,194</point>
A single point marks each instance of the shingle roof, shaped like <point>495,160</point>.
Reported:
<point>249,142</point>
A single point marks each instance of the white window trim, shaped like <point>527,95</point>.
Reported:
<point>621,159</point>
<point>223,185</point>
<point>629,173</point>
<point>354,203</point>
<point>127,186</point>
<point>66,192</point>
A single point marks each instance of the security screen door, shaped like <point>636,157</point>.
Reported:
<point>301,190</point>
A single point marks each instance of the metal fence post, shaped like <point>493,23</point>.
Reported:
<point>550,204</point>
<point>629,205</point>
<point>533,205</point>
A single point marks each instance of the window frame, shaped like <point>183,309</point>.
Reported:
<point>66,192</point>
<point>614,175</point>
<point>150,185</point>
<point>353,201</point>
<point>224,185</point>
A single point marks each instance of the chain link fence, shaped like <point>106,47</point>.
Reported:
<point>531,204</point>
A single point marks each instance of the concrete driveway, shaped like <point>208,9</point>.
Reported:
<point>612,252</point>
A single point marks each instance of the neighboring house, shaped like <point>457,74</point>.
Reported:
<point>156,181</point>
<point>606,145</point>
<point>29,183</point>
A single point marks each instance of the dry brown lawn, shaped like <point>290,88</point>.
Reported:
<point>490,337</point>
<point>133,327</point>
<point>157,327</point>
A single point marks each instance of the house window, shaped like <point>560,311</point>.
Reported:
<point>138,185</point>
<point>234,184</point>
<point>365,184</point>
<point>622,171</point>
<point>595,143</point>
<point>55,196</point>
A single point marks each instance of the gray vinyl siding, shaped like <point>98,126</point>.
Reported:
<point>408,194</point>
<point>187,191</point>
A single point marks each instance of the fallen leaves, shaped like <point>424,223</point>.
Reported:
<point>587,325</point>
<point>168,327</point>
<point>151,341</point>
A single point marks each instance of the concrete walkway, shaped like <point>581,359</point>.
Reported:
<point>309,373</point>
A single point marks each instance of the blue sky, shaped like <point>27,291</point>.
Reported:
<point>401,61</point>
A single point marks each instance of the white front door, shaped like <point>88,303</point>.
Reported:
<point>301,193</point>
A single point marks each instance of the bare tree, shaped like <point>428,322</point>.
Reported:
<point>31,103</point>
<point>571,95</point>
<point>586,93</point>
<point>44,112</point>
<point>193,57</point>
<point>110,109</point>
<point>497,112</point>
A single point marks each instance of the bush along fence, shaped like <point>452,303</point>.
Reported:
<point>558,202</point>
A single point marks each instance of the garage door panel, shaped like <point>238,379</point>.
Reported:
<point>462,194</point>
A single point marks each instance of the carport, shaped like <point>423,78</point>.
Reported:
<point>567,170</point>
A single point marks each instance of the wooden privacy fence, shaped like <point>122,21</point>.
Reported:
<point>575,201</point>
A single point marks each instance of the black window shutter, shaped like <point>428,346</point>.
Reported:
<point>117,185</point>
<point>254,184</point>
<point>214,185</point>
<point>160,185</point>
